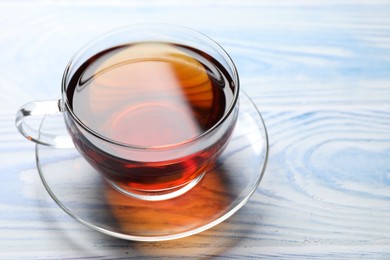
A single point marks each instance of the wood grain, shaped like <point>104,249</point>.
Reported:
<point>319,71</point>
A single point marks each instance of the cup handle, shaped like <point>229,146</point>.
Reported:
<point>41,108</point>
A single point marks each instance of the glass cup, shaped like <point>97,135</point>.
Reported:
<point>150,107</point>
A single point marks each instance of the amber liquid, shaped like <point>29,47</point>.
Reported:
<point>149,95</point>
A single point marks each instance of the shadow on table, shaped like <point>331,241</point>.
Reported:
<point>211,199</point>
<point>213,242</point>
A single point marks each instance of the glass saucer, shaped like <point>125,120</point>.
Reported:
<point>82,193</point>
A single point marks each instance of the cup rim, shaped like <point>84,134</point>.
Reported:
<point>66,106</point>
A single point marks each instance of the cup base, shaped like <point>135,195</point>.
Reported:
<point>157,195</point>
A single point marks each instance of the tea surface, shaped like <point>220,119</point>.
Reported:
<point>150,94</point>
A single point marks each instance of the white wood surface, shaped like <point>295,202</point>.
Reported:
<point>319,71</point>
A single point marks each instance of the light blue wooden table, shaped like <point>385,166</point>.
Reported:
<point>319,71</point>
